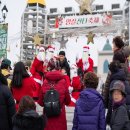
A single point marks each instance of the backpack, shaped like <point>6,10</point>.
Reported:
<point>52,106</point>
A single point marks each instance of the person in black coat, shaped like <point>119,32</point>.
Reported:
<point>63,62</point>
<point>117,73</point>
<point>7,105</point>
<point>120,117</point>
<point>27,118</point>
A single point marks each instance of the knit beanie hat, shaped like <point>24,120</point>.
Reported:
<point>118,85</point>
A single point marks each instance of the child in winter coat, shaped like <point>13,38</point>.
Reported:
<point>67,79</point>
<point>27,118</point>
<point>89,111</point>
<point>120,117</point>
<point>76,84</point>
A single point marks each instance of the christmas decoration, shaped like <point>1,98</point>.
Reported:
<point>85,6</point>
<point>107,18</point>
<point>63,43</point>
<point>90,38</point>
<point>37,40</point>
<point>57,22</point>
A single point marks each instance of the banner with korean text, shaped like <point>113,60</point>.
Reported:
<point>84,21</point>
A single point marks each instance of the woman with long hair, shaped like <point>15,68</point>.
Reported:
<point>22,84</point>
<point>7,105</point>
<point>27,118</point>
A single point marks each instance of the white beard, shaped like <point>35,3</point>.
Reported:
<point>44,56</point>
<point>49,56</point>
<point>41,56</point>
<point>85,57</point>
<point>73,73</point>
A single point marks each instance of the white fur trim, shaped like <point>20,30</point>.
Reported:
<point>85,48</point>
<point>86,66</point>
<point>51,49</point>
<point>72,99</point>
<point>38,81</point>
<point>41,56</point>
<point>30,74</point>
<point>70,89</point>
<point>41,49</point>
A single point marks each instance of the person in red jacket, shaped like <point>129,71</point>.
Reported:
<point>85,63</point>
<point>39,67</point>
<point>55,76</point>
<point>22,84</point>
<point>76,84</point>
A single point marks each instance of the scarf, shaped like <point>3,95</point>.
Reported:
<point>115,105</point>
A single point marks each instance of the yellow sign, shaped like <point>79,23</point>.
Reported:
<point>37,1</point>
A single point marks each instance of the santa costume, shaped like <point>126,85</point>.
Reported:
<point>76,84</point>
<point>37,71</point>
<point>85,63</point>
<point>50,52</point>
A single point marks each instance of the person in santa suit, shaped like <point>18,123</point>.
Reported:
<point>76,84</point>
<point>39,67</point>
<point>37,71</point>
<point>50,52</point>
<point>85,64</point>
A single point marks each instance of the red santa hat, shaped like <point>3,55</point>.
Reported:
<point>41,49</point>
<point>86,49</point>
<point>51,48</point>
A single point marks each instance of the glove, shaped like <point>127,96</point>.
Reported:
<point>41,54</point>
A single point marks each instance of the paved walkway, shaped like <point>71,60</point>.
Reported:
<point>69,116</point>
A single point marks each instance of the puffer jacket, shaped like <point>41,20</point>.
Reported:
<point>119,119</point>
<point>29,120</point>
<point>89,112</point>
<point>119,75</point>
<point>108,81</point>
<point>56,77</point>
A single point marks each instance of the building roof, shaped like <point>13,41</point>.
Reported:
<point>107,46</point>
<point>36,1</point>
